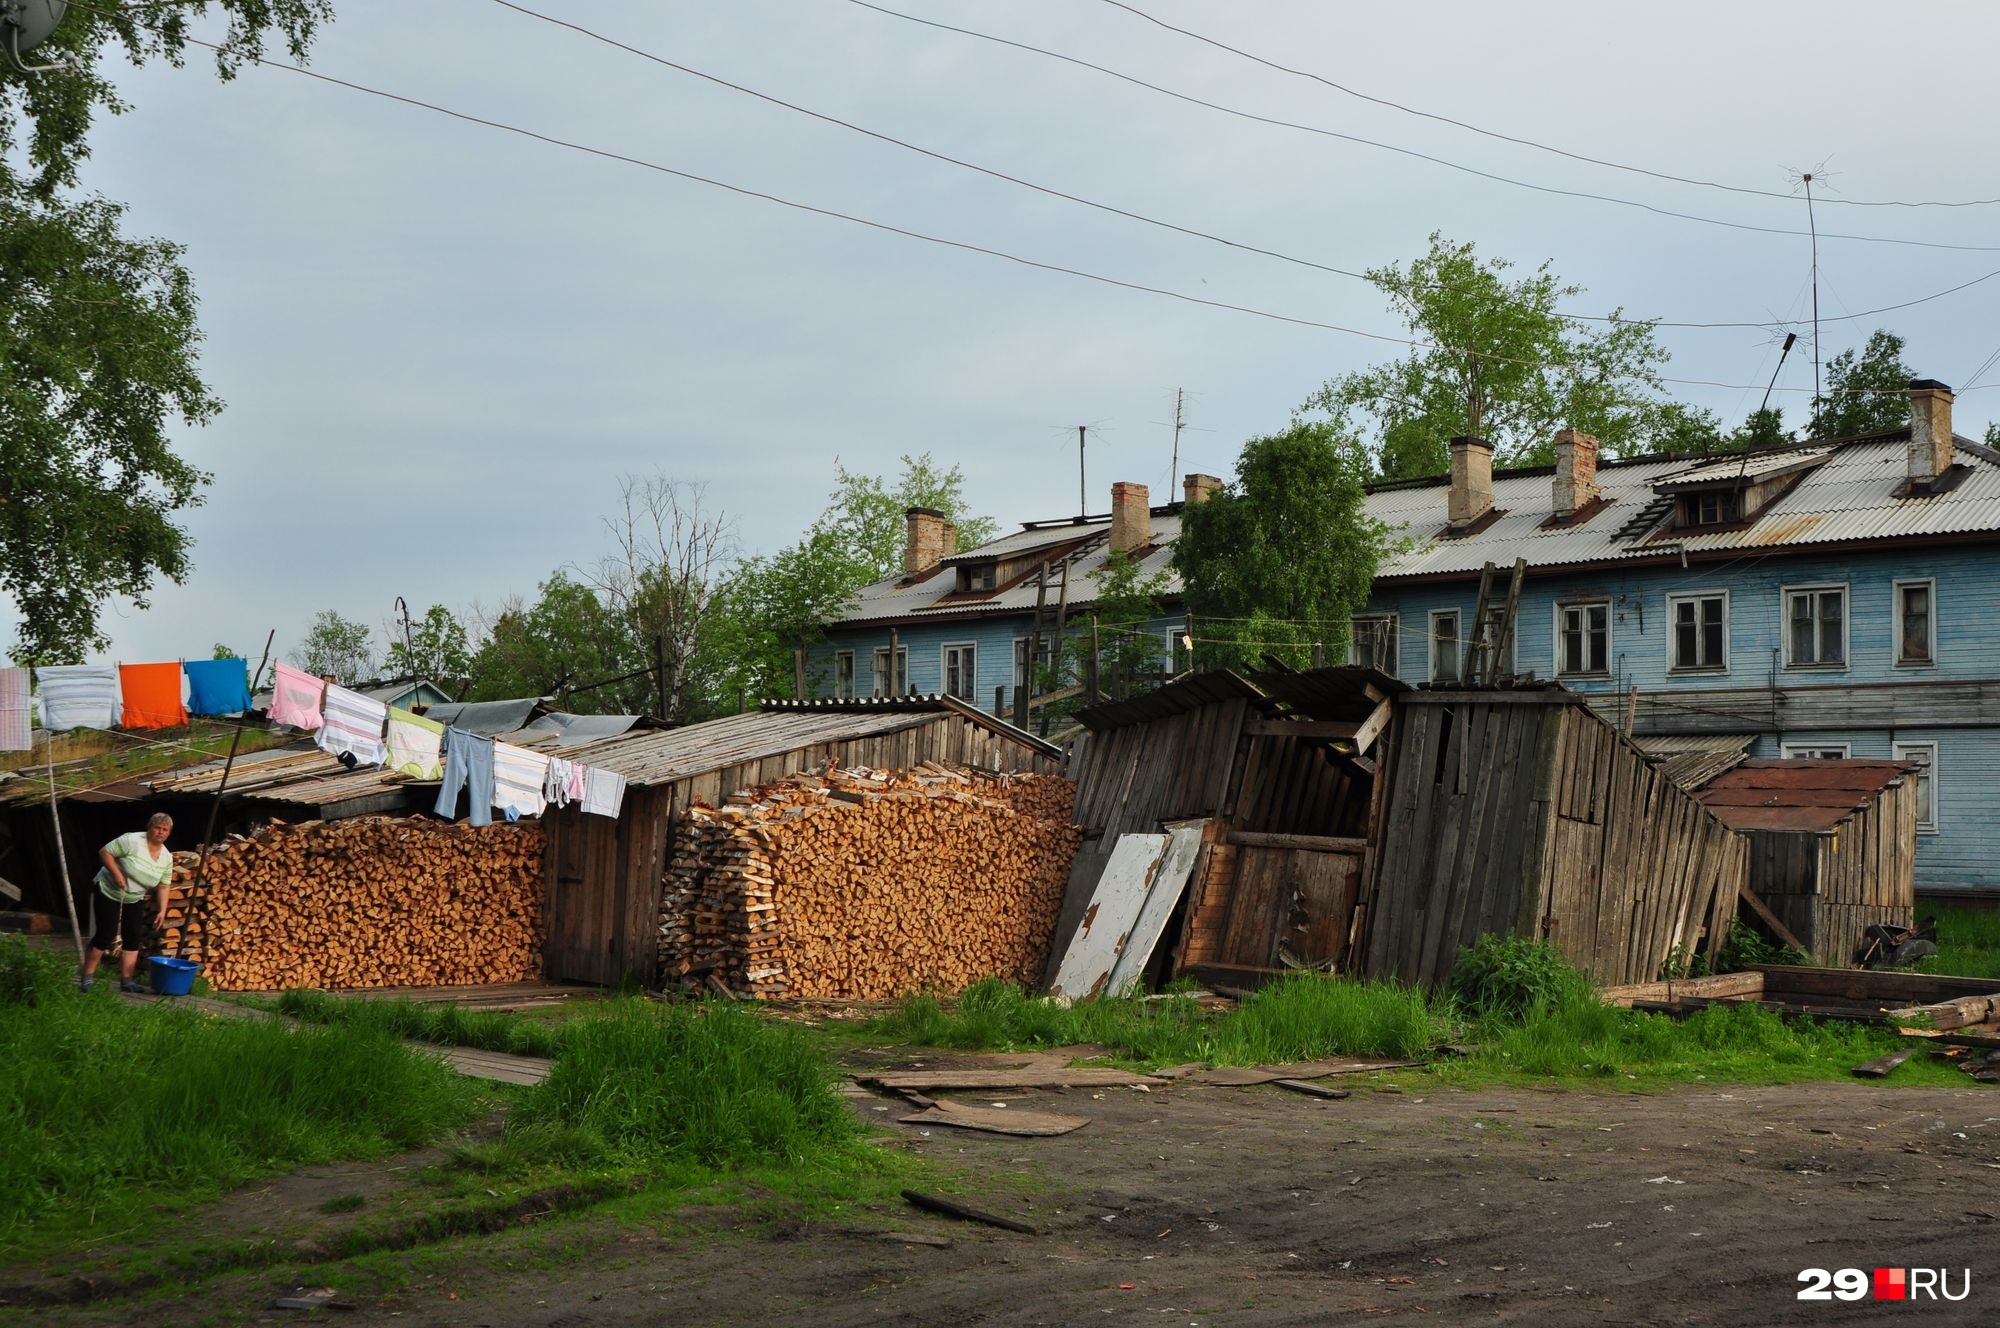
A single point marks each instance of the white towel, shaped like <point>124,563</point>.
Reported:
<point>76,696</point>
<point>603,791</point>
<point>17,734</point>
<point>518,779</point>
<point>556,787</point>
<point>353,726</point>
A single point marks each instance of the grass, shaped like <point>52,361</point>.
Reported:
<point>111,1114</point>
<point>1968,943</point>
<point>447,1025</point>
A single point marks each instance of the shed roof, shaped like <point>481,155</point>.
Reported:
<point>1802,795</point>
<point>1338,692</point>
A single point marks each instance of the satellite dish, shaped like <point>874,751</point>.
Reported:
<point>26,24</point>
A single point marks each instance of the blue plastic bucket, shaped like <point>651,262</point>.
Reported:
<point>172,977</point>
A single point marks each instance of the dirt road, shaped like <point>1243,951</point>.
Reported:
<point>1207,1206</point>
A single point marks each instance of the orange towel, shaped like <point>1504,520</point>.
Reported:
<point>152,695</point>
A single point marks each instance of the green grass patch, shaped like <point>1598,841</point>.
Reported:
<point>113,1114</point>
<point>423,1021</point>
<point>1968,943</point>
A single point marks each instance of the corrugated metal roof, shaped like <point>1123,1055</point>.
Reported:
<point>1766,794</point>
<point>664,756</point>
<point>920,702</point>
<point>488,717</point>
<point>1673,744</point>
<point>1338,693</point>
<point>1176,698</point>
<point>581,728</point>
<point>1746,466</point>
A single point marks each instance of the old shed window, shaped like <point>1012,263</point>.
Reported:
<point>1374,644</point>
<point>1445,645</point>
<point>1924,756</point>
<point>1816,627</point>
<point>1700,627</point>
<point>1916,625</point>
<point>1583,638</point>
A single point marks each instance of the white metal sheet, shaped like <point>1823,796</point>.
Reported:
<point>1169,883</point>
<point>1114,909</point>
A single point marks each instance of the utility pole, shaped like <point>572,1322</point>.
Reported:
<point>1174,471</point>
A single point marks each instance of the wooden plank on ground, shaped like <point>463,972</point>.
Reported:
<point>986,1078</point>
<point>997,1120</point>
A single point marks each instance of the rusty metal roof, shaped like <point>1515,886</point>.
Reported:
<point>1805,795</point>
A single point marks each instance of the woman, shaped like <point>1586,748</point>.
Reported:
<point>133,864</point>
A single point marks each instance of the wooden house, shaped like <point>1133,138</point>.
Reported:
<point>605,874</point>
<point>1832,845</point>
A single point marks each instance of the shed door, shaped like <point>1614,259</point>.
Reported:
<point>580,921</point>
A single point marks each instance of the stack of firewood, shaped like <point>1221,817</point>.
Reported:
<point>369,902</point>
<point>860,885</point>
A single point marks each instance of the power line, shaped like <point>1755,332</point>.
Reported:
<point>1411,152</point>
<point>942,241</point>
<point>1523,142</point>
<point>1080,200</point>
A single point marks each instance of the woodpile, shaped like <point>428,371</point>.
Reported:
<point>371,902</point>
<point>860,885</point>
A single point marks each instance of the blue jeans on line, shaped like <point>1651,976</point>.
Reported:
<point>468,765</point>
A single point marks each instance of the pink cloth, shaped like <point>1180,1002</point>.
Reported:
<point>576,774</point>
<point>296,697</point>
<point>16,733</point>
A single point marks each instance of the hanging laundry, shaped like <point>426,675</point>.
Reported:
<point>296,697</point>
<point>353,727</point>
<point>78,696</point>
<point>17,730</point>
<point>603,792</point>
<point>218,686</point>
<point>152,695</point>
<point>415,744</point>
<point>576,778</point>
<point>468,765</point>
<point>556,787</point>
<point>519,776</point>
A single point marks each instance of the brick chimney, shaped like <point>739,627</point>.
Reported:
<point>950,539</point>
<point>1131,517</point>
<point>1196,488</point>
<point>1930,453</point>
<point>1471,481</point>
<point>1576,472</point>
<point>923,542</point>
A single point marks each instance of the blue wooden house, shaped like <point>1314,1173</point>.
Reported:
<point>1833,598</point>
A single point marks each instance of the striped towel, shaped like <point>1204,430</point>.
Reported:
<point>17,734</point>
<point>603,791</point>
<point>519,776</point>
<point>78,696</point>
<point>295,698</point>
<point>353,726</point>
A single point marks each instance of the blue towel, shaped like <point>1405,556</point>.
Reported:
<point>218,686</point>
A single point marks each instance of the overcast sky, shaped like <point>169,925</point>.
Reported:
<point>441,344</point>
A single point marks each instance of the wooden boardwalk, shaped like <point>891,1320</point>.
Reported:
<point>498,1066</point>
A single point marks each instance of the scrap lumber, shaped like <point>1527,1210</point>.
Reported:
<point>860,885</point>
<point>1880,1067</point>
<point>933,1203</point>
<point>997,1120</point>
<point>369,902</point>
<point>1238,1076</point>
<point>991,1080</point>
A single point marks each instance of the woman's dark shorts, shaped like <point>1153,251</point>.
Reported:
<point>137,922</point>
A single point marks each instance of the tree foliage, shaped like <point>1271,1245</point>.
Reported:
<point>1281,557</point>
<point>1125,601</point>
<point>337,646</point>
<point>1867,391</point>
<point>566,644</point>
<point>1497,361</point>
<point>439,649</point>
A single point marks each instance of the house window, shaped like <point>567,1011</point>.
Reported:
<point>961,671</point>
<point>1374,642</point>
<point>1924,756</point>
<point>1445,645</point>
<point>899,685</point>
<point>1713,507</point>
<point>1916,626</point>
<point>1815,627</point>
<point>1583,638</point>
<point>980,576</point>
<point>843,674</point>
<point>1021,678</point>
<point>1700,625</point>
<point>1814,751</point>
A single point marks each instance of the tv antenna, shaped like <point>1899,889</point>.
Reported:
<point>26,24</point>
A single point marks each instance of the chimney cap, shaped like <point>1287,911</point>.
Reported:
<point>1928,385</point>
<point>923,511</point>
<point>1468,441</point>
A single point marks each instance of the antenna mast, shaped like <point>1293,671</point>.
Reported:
<point>1819,408</point>
<point>1082,501</point>
<point>1174,472</point>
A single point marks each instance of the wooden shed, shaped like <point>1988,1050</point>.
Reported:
<point>1832,844</point>
<point>605,874</point>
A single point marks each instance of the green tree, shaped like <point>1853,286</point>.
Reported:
<point>869,516</point>
<point>1866,391</point>
<point>222,651</point>
<point>565,641</point>
<point>1281,557</point>
<point>97,331</point>
<point>1687,430</point>
<point>337,646</point>
<point>438,649</point>
<point>1993,434</point>
<point>1762,428</point>
<point>1497,362</point>
<point>1125,601</point>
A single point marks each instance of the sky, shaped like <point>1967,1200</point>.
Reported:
<point>442,345</point>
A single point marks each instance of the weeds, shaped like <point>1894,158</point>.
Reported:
<point>1512,977</point>
<point>447,1025</point>
<point>1968,942</point>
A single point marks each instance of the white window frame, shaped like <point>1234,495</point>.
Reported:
<point>1816,588</point>
<point>1457,645</point>
<point>1900,751</point>
<point>1816,751</point>
<point>1896,614</point>
<point>843,687</point>
<point>901,667</point>
<point>1394,623</point>
<point>971,692</point>
<point>1673,632</point>
<point>1563,606</point>
<point>1021,653</point>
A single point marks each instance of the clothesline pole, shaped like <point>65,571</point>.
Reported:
<point>62,857</point>
<point>214,815</point>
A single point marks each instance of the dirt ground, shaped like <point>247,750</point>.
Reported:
<point>1203,1205</point>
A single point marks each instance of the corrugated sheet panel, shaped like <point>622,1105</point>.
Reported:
<point>1763,794</point>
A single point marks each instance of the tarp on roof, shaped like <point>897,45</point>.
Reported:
<point>1808,795</point>
<point>572,729</point>
<point>489,717</point>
